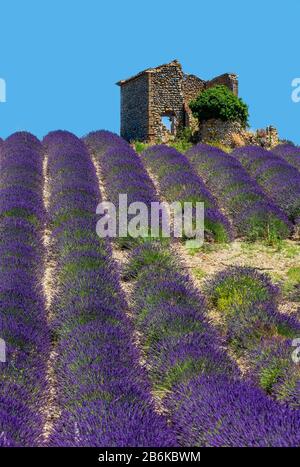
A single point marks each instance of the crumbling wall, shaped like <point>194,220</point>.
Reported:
<point>192,86</point>
<point>227,79</point>
<point>232,134</point>
<point>134,109</point>
<point>159,92</point>
<point>214,130</point>
<point>165,99</point>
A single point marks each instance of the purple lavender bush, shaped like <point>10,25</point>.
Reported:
<point>193,377</point>
<point>247,301</point>
<point>23,324</point>
<point>216,411</point>
<point>273,369</point>
<point>256,331</point>
<point>102,391</point>
<point>123,173</point>
<point>279,179</point>
<point>101,140</point>
<point>252,213</point>
<point>170,314</point>
<point>178,182</point>
<point>290,153</point>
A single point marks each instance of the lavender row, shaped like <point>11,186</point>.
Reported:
<point>256,331</point>
<point>253,215</point>
<point>102,140</point>
<point>171,316</point>
<point>217,411</point>
<point>123,173</point>
<point>181,350</point>
<point>194,379</point>
<point>102,391</point>
<point>179,182</point>
<point>279,179</point>
<point>290,153</point>
<point>23,324</point>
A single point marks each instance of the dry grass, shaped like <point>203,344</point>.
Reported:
<point>51,410</point>
<point>275,261</point>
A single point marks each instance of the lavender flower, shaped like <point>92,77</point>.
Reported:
<point>273,368</point>
<point>103,392</point>
<point>279,180</point>
<point>23,323</point>
<point>178,182</point>
<point>216,411</point>
<point>290,153</point>
<point>123,173</point>
<point>252,213</point>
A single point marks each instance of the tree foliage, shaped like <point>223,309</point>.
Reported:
<point>219,102</point>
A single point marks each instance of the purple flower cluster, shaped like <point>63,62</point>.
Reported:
<point>179,182</point>
<point>23,324</point>
<point>273,368</point>
<point>248,302</point>
<point>290,153</point>
<point>256,330</point>
<point>102,391</point>
<point>123,173</point>
<point>170,315</point>
<point>101,140</point>
<point>279,179</point>
<point>199,385</point>
<point>216,411</point>
<point>252,213</point>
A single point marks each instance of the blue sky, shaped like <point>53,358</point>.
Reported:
<point>61,59</point>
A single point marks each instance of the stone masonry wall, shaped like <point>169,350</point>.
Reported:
<point>192,86</point>
<point>216,130</point>
<point>134,109</point>
<point>228,79</point>
<point>159,92</point>
<point>165,99</point>
<point>232,134</point>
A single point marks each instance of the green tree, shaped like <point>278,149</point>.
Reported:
<point>220,103</point>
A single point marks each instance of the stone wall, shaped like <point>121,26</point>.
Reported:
<point>192,86</point>
<point>232,134</point>
<point>219,131</point>
<point>227,79</point>
<point>266,137</point>
<point>159,92</point>
<point>165,99</point>
<point>134,109</point>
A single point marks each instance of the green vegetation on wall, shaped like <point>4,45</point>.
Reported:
<point>219,102</point>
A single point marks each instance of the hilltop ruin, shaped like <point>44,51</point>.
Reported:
<point>155,102</point>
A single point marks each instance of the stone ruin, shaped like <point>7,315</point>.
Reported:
<point>155,102</point>
<point>155,108</point>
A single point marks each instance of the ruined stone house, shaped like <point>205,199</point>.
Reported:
<point>155,102</point>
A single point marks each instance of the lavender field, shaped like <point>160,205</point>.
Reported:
<point>131,342</point>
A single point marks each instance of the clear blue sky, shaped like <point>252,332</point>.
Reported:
<point>61,59</point>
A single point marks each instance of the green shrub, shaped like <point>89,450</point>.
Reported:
<point>238,290</point>
<point>181,145</point>
<point>139,146</point>
<point>294,274</point>
<point>220,103</point>
<point>219,145</point>
<point>184,140</point>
